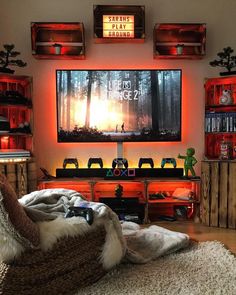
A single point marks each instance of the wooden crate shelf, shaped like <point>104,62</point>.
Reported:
<point>220,116</point>
<point>218,194</point>
<point>179,41</point>
<point>57,40</point>
<point>22,176</point>
<point>16,107</point>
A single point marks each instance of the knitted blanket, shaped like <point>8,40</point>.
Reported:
<point>124,241</point>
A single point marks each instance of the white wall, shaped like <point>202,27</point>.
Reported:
<point>15,18</point>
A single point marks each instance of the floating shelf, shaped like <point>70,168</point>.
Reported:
<point>58,40</point>
<point>179,41</point>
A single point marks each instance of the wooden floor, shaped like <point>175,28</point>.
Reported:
<point>202,233</point>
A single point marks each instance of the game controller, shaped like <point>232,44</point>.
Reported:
<point>87,213</point>
<point>145,161</point>
<point>169,161</point>
<point>117,162</point>
<point>70,161</point>
<point>95,161</point>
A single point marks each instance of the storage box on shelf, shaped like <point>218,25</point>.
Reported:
<point>97,189</point>
<point>119,23</point>
<point>57,40</point>
<point>220,118</point>
<point>179,41</point>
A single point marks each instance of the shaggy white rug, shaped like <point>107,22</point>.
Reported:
<point>204,268</point>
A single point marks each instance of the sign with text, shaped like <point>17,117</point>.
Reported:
<point>118,26</point>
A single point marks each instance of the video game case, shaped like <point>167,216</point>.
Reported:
<point>234,122</point>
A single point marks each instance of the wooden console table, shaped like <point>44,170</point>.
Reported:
<point>95,188</point>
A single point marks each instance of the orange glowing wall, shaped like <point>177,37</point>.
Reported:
<point>50,154</point>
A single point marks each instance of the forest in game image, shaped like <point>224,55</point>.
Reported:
<point>118,105</point>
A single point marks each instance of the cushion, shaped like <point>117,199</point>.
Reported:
<point>13,217</point>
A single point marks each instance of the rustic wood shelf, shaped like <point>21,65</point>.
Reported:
<point>95,188</point>
<point>58,40</point>
<point>220,119</point>
<point>179,41</point>
<point>19,88</point>
<point>218,196</point>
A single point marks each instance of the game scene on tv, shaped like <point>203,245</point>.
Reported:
<point>118,105</point>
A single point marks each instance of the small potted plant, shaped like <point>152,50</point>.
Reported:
<point>226,60</point>
<point>7,59</point>
<point>179,49</point>
<point>57,48</point>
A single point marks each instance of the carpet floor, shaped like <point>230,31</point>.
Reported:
<point>204,268</point>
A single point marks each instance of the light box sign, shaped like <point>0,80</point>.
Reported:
<point>118,26</point>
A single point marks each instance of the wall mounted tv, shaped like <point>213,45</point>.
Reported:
<point>118,105</point>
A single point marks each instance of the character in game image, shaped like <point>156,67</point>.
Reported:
<point>123,128</point>
<point>189,162</point>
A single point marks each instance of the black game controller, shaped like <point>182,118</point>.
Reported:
<point>70,161</point>
<point>169,161</point>
<point>145,161</point>
<point>95,161</point>
<point>120,162</point>
<point>87,213</point>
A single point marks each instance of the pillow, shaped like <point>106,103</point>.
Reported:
<point>13,217</point>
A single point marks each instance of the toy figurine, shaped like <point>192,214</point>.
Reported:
<point>119,191</point>
<point>189,162</point>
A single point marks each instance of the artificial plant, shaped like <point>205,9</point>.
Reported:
<point>226,60</point>
<point>7,59</point>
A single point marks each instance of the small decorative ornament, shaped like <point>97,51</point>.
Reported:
<point>226,97</point>
<point>6,59</point>
<point>189,162</point>
<point>225,61</point>
<point>226,150</point>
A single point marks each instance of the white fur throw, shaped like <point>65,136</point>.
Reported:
<point>133,244</point>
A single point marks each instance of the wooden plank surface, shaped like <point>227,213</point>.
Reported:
<point>22,180</point>
<point>205,191</point>
<point>223,195</point>
<point>32,176</point>
<point>232,196</point>
<point>2,169</point>
<point>214,194</point>
<point>11,175</point>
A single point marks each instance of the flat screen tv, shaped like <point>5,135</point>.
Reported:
<point>118,105</point>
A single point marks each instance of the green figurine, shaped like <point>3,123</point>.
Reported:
<point>189,162</point>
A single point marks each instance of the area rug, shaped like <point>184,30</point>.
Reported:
<point>203,268</point>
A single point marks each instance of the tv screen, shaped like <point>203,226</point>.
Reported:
<point>118,105</point>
